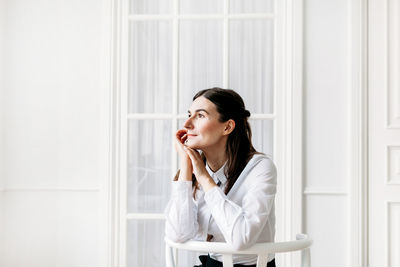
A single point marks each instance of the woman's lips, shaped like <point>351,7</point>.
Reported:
<point>191,135</point>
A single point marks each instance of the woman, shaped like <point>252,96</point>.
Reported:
<point>225,193</point>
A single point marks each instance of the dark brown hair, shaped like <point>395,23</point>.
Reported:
<point>239,148</point>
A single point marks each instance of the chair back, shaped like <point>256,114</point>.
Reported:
<point>302,242</point>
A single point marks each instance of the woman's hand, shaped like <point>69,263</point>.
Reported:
<point>180,139</point>
<point>199,169</point>
<point>186,168</point>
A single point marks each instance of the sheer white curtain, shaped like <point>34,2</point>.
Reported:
<point>201,64</point>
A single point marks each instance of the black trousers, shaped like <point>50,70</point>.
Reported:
<point>207,261</point>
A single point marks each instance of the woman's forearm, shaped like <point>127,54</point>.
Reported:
<point>185,173</point>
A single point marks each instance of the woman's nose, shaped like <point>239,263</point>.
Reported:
<point>188,124</point>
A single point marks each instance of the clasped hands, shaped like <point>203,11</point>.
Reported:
<point>191,162</point>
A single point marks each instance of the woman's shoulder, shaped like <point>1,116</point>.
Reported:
<point>260,170</point>
<point>262,164</point>
<point>263,159</point>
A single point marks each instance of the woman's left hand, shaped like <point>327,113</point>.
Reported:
<point>199,169</point>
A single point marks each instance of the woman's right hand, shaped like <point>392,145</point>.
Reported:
<point>185,162</point>
<point>180,139</point>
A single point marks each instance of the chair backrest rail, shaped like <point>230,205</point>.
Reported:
<point>219,247</point>
<point>302,242</point>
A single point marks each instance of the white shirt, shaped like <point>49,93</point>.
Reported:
<point>242,218</point>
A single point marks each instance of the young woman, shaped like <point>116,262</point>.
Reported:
<point>226,192</point>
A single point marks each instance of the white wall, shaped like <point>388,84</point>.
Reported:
<point>1,123</point>
<point>53,139</point>
<point>326,147</point>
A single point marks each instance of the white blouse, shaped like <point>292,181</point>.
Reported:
<point>243,217</point>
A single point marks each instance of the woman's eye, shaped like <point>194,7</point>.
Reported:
<point>201,115</point>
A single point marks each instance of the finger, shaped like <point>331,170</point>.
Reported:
<point>183,138</point>
<point>195,152</point>
<point>180,133</point>
<point>189,151</point>
<point>178,144</point>
<point>180,147</point>
<point>194,155</point>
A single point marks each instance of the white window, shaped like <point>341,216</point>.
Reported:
<point>165,52</point>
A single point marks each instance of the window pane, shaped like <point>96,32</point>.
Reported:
<point>251,63</point>
<point>200,58</point>
<point>188,258</point>
<point>150,6</point>
<point>203,6</point>
<point>145,243</point>
<point>150,67</point>
<point>149,165</point>
<point>263,136</point>
<point>251,6</point>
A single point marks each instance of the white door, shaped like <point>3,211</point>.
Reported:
<point>384,133</point>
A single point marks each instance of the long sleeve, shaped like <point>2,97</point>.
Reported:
<point>181,213</point>
<point>242,217</point>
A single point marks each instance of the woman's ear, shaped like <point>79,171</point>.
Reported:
<point>229,127</point>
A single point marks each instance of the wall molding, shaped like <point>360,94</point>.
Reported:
<point>290,120</point>
<point>392,65</point>
<point>324,191</point>
<point>49,189</point>
<point>391,235</point>
<point>110,69</point>
<point>116,224</point>
<point>358,138</point>
<point>392,156</point>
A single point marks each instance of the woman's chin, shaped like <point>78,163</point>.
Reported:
<point>192,146</point>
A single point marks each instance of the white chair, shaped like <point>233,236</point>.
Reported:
<point>302,242</point>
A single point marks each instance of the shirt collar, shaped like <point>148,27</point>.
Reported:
<point>219,175</point>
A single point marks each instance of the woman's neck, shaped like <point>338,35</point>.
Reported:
<point>215,159</point>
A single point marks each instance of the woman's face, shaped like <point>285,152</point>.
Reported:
<point>203,126</point>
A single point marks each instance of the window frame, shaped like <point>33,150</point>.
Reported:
<point>287,116</point>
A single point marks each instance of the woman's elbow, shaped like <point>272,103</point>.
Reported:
<point>178,238</point>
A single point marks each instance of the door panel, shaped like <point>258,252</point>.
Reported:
<point>384,133</point>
